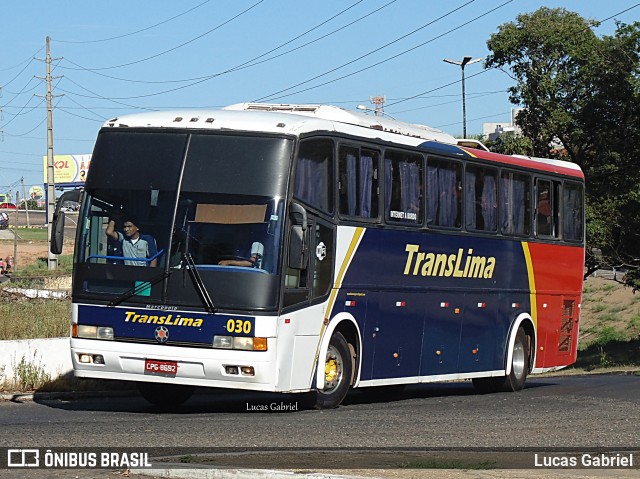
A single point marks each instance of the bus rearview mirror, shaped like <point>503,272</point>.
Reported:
<point>297,248</point>
<point>57,233</point>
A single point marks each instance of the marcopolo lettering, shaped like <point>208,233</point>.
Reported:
<point>167,320</point>
<point>463,264</point>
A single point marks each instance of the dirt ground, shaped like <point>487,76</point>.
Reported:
<point>609,303</point>
<point>27,251</point>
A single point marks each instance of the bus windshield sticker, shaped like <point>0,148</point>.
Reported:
<point>230,214</point>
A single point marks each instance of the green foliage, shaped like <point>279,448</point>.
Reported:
<point>512,145</point>
<point>583,91</point>
<point>608,334</point>
<point>29,374</point>
<point>25,318</point>
<point>41,268</point>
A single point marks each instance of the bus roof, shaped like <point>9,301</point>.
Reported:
<point>299,119</point>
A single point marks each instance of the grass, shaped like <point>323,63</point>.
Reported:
<point>26,318</point>
<point>41,268</point>
<point>31,234</point>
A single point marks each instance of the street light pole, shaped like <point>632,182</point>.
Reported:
<point>465,61</point>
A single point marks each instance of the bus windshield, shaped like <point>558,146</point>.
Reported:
<point>172,202</point>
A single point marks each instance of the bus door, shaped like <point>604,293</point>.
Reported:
<point>478,339</point>
<point>397,335</point>
<point>442,324</point>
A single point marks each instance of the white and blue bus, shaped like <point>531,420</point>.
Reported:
<point>305,248</point>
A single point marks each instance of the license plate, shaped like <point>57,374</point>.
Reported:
<point>166,368</point>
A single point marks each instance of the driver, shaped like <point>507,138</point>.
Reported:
<point>133,243</point>
<point>253,261</point>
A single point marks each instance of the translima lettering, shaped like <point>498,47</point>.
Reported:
<point>167,320</point>
<point>457,265</point>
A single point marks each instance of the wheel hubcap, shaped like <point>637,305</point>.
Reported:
<point>518,360</point>
<point>332,369</point>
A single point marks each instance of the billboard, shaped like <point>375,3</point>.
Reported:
<point>68,168</point>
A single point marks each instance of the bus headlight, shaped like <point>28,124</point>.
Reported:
<point>94,332</point>
<point>240,342</point>
<point>246,344</point>
<point>223,342</point>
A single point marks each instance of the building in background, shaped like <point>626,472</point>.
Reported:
<point>492,131</point>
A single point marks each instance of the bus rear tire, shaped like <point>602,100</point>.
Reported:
<point>338,369</point>
<point>165,395</point>
<point>519,363</point>
<point>516,378</point>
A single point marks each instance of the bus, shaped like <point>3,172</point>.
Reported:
<point>310,249</point>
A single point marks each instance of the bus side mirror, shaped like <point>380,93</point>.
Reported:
<point>57,233</point>
<point>57,226</point>
<point>298,250</point>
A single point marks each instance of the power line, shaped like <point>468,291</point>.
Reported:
<point>365,55</point>
<point>102,119</point>
<point>176,47</point>
<point>29,59</point>
<point>493,68</point>
<point>273,97</point>
<point>137,31</point>
<point>252,62</point>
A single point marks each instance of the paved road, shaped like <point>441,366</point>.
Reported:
<point>586,413</point>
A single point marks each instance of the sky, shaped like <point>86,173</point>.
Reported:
<point>120,57</point>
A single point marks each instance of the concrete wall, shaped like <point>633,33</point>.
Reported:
<point>53,356</point>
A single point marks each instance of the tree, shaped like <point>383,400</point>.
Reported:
<point>585,92</point>
<point>511,144</point>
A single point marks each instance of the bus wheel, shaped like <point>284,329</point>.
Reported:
<point>165,394</point>
<point>337,374</point>
<point>519,363</point>
<point>519,369</point>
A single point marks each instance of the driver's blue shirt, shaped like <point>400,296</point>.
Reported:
<point>142,247</point>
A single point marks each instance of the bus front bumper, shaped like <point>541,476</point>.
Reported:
<point>222,368</point>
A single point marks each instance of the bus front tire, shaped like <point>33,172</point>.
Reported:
<point>516,378</point>
<point>338,369</point>
<point>165,395</point>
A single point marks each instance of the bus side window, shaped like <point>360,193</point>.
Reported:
<point>547,208</point>
<point>572,214</point>
<point>444,193</point>
<point>314,174</point>
<point>515,201</point>
<point>481,199</point>
<point>358,182</point>
<point>404,187</point>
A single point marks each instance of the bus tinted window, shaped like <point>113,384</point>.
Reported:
<point>544,208</point>
<point>515,194</point>
<point>444,191</point>
<point>572,214</point>
<point>358,182</point>
<point>481,199</point>
<point>314,174</point>
<point>403,186</point>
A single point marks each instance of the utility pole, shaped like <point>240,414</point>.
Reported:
<point>465,61</point>
<point>51,187</point>
<point>26,206</point>
<point>15,238</point>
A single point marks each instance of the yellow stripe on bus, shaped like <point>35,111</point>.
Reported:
<point>355,240</point>
<point>357,236</point>
<point>532,283</point>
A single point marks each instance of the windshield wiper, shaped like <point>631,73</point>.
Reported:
<point>197,281</point>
